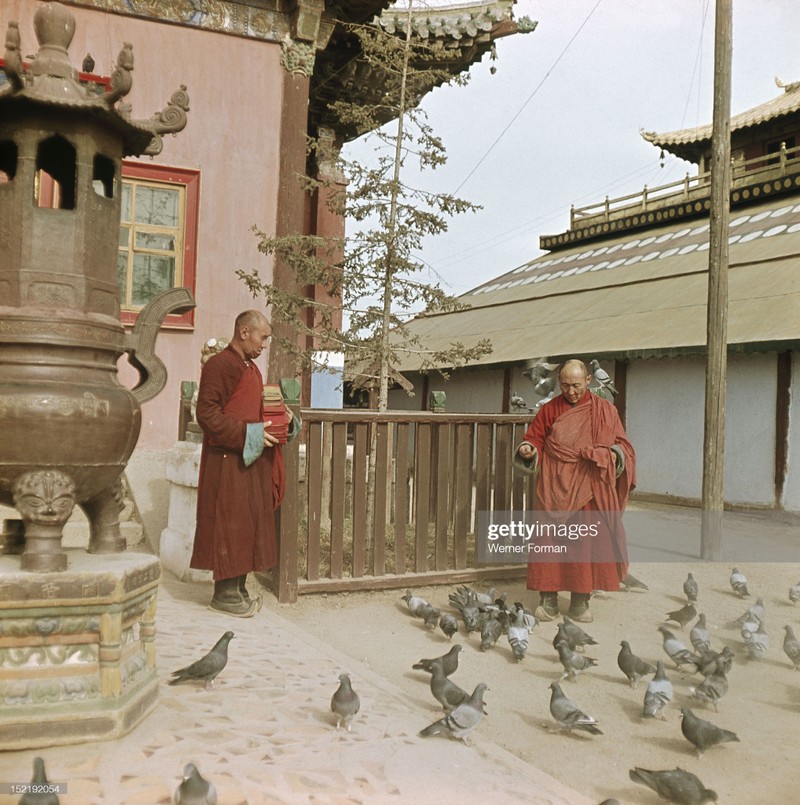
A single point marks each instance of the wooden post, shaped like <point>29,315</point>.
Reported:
<point>717,319</point>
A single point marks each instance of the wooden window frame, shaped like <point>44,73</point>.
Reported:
<point>190,180</point>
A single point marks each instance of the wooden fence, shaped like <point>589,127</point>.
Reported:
<point>433,473</point>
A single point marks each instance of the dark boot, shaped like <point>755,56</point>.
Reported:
<point>246,596</point>
<point>228,599</point>
<point>579,608</point>
<point>548,606</point>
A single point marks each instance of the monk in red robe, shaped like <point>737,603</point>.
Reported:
<point>586,466</point>
<point>241,470</point>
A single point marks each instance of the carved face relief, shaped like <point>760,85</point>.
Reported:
<point>45,497</point>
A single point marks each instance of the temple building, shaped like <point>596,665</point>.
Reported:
<point>627,284</point>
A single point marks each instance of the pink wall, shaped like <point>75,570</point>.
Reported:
<point>235,90</point>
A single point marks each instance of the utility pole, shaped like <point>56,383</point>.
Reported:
<point>717,306</point>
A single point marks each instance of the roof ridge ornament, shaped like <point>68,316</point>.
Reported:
<point>787,87</point>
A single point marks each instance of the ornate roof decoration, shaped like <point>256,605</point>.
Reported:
<point>49,80</point>
<point>691,143</point>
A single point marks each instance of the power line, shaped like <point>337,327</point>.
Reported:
<point>529,99</point>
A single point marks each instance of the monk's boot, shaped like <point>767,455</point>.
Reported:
<point>258,601</point>
<point>548,606</point>
<point>229,600</point>
<point>579,608</point>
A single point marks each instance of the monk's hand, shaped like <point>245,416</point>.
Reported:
<point>289,414</point>
<point>526,452</point>
<point>269,439</point>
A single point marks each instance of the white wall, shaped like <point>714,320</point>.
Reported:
<point>665,423</point>
<point>474,390</point>
<point>791,490</point>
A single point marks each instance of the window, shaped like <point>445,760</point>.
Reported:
<point>157,236</point>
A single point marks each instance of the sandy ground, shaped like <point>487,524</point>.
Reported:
<point>762,705</point>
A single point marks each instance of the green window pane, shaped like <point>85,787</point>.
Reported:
<point>122,274</point>
<point>124,236</point>
<point>126,202</point>
<point>151,275</point>
<point>155,240</point>
<point>156,206</point>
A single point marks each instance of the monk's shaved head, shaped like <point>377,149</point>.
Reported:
<point>574,379</point>
<point>573,365</point>
<point>249,318</point>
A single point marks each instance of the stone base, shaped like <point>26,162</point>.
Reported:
<point>77,649</point>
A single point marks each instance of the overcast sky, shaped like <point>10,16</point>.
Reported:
<point>634,64</point>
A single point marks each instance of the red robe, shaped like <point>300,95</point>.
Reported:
<point>577,474</point>
<point>235,531</point>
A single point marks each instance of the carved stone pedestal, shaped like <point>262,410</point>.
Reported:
<point>77,649</point>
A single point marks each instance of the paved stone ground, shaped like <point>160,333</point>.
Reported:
<point>265,733</point>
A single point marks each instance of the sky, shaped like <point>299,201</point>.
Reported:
<point>558,123</point>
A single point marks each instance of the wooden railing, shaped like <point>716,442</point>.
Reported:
<point>432,472</point>
<point>784,162</point>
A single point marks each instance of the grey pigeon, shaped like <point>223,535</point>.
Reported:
<point>691,589</point>
<point>345,702</point>
<point>551,396</point>
<point>794,593</point>
<point>573,662</point>
<point>703,734</point>
<point>602,376</point>
<point>415,603</point>
<point>632,666</point>
<point>562,634</point>
<point>448,663</point>
<point>568,715</point>
<point>518,636</point>
<point>447,693</point>
<point>753,614</point>
<point>711,689</point>
<point>674,785</point>
<point>490,633</point>
<point>87,65</point>
<point>206,668</point>
<point>791,647</point>
<point>194,789</point>
<point>738,583</point>
<point>658,694</point>
<point>528,618</point>
<point>630,582</point>
<point>676,651</point>
<point>430,615</point>
<point>576,635</point>
<point>683,615</point>
<point>545,386</point>
<point>517,401</point>
<point>716,662</point>
<point>699,636</point>
<point>40,797</point>
<point>448,624</point>
<point>757,642</point>
<point>463,719</point>
<point>467,604</point>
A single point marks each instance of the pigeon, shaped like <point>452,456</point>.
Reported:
<point>676,651</point>
<point>691,589</point>
<point>739,583</point>
<point>711,689</point>
<point>545,385</point>
<point>517,401</point>
<point>448,624</point>
<point>194,790</point>
<point>757,642</point>
<point>528,618</point>
<point>674,785</point>
<point>602,377</point>
<point>703,734</point>
<point>490,633</point>
<point>447,662</point>
<point>518,636</point>
<point>791,647</point>
<point>563,635</point>
<point>794,593</point>
<point>447,693</point>
<point>345,702</point>
<point>683,615</point>
<point>577,635</point>
<point>632,666</point>
<point>551,396</point>
<point>716,662</point>
<point>753,615</point>
<point>467,604</point>
<point>658,694</point>
<point>415,603</point>
<point>87,66</point>
<point>539,369</point>
<point>573,662</point>
<point>699,637</point>
<point>430,615</point>
<point>632,583</point>
<point>463,719</point>
<point>568,715</point>
<point>42,796</point>
<point>206,668</point>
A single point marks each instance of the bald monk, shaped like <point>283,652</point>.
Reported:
<point>585,465</point>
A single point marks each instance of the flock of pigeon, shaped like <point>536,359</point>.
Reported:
<point>489,615</point>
